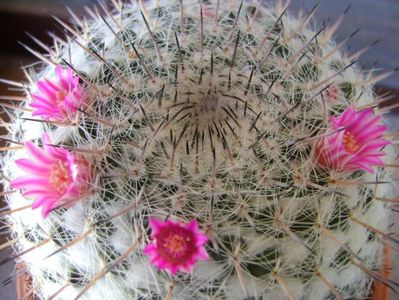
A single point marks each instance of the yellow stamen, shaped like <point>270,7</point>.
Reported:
<point>60,96</point>
<point>175,243</point>
<point>59,176</point>
<point>350,142</point>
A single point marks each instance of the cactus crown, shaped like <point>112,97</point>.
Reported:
<point>211,112</point>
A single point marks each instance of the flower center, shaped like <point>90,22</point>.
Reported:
<point>60,95</point>
<point>59,177</point>
<point>350,142</point>
<point>175,244</point>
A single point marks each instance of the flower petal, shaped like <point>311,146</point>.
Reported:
<point>33,167</point>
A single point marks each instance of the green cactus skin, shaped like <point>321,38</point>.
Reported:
<point>210,112</point>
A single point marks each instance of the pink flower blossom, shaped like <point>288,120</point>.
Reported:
<point>353,143</point>
<point>60,98</point>
<point>55,176</point>
<point>176,246</point>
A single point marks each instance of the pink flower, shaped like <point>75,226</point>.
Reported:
<point>58,99</point>
<point>176,246</point>
<point>55,176</point>
<point>353,143</point>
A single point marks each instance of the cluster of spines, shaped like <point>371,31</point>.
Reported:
<point>136,137</point>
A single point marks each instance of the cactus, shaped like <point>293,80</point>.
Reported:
<point>225,121</point>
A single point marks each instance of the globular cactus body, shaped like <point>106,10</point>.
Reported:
<point>209,112</point>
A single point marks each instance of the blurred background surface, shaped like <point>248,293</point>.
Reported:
<point>378,20</point>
